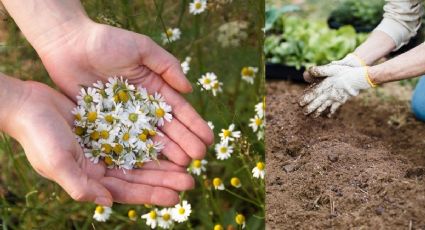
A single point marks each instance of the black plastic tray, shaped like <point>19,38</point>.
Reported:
<point>283,72</point>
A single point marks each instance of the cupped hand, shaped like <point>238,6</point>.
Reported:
<point>93,51</point>
<point>42,124</point>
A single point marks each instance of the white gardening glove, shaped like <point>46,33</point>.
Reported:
<point>342,83</point>
<point>350,60</point>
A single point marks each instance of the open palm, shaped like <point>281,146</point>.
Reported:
<point>44,124</point>
<point>96,52</point>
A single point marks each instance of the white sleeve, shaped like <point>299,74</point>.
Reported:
<point>402,19</point>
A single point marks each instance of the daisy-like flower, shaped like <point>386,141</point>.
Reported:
<point>186,65</point>
<point>223,150</point>
<point>207,81</point>
<point>181,212</point>
<point>171,35</point>
<point>258,171</point>
<point>163,112</point>
<point>87,96</point>
<point>164,220</point>
<point>240,220</point>
<point>218,227</point>
<point>248,74</point>
<point>218,184</point>
<point>217,87</point>
<point>197,6</point>
<point>229,134</point>
<point>211,125</point>
<point>260,108</point>
<point>151,218</point>
<point>256,123</point>
<point>132,214</point>
<point>235,182</point>
<point>198,166</point>
<point>102,213</point>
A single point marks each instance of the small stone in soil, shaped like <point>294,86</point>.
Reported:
<point>379,210</point>
<point>415,172</point>
<point>289,168</point>
<point>333,157</point>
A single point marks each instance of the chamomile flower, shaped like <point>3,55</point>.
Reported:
<point>87,96</point>
<point>207,81</point>
<point>259,170</point>
<point>217,87</point>
<point>218,227</point>
<point>218,184</point>
<point>260,108</point>
<point>132,214</point>
<point>102,213</point>
<point>197,6</point>
<point>198,166</point>
<point>229,134</point>
<point>171,35</point>
<point>223,150</point>
<point>211,125</point>
<point>248,74</point>
<point>151,218</point>
<point>162,112</point>
<point>181,212</point>
<point>186,65</point>
<point>235,182</point>
<point>240,220</point>
<point>164,220</point>
<point>256,123</point>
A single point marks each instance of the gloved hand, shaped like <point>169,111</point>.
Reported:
<point>350,60</point>
<point>342,83</point>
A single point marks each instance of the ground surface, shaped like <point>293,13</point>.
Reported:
<point>362,169</point>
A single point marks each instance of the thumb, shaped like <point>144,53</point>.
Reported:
<point>80,186</point>
<point>162,63</point>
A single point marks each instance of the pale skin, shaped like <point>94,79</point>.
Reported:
<point>77,51</point>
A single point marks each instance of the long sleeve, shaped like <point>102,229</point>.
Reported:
<point>402,19</point>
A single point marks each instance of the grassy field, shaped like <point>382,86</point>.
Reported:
<point>28,201</point>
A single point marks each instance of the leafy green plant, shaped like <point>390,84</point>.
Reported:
<point>305,43</point>
<point>363,15</point>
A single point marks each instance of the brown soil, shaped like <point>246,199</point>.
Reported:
<point>363,169</point>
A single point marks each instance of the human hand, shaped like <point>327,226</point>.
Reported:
<point>41,121</point>
<point>342,83</point>
<point>90,51</point>
<point>350,59</point>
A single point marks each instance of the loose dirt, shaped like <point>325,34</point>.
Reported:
<point>363,169</point>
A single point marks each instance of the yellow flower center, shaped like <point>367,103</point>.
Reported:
<point>133,117</point>
<point>166,217</point>
<point>104,134</point>
<point>88,99</point>
<point>246,71</point>
<point>169,32</point>
<point>197,164</point>
<point>123,96</point>
<point>116,98</point>
<point>108,160</point>
<point>217,182</point>
<point>181,211</point>
<point>139,164</point>
<point>207,81</point>
<point>235,182</point>
<point>143,137</point>
<point>260,165</point>
<point>95,135</point>
<point>78,117</point>
<point>132,214</point>
<point>100,209</point>
<point>152,132</point>
<point>79,130</point>
<point>159,112</point>
<point>223,149</point>
<point>152,214</point>
<point>126,137</point>
<point>240,219</point>
<point>91,116</point>
<point>198,5</point>
<point>107,148</point>
<point>118,149</point>
<point>109,118</point>
<point>218,227</point>
<point>258,121</point>
<point>216,85</point>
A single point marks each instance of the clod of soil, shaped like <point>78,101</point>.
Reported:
<point>362,169</point>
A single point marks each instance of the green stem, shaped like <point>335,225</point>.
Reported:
<point>243,198</point>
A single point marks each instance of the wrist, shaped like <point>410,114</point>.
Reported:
<point>376,74</point>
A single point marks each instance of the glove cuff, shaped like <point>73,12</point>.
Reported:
<point>367,76</point>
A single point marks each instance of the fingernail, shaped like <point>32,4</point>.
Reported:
<point>103,201</point>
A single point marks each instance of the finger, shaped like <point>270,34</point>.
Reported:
<point>178,181</point>
<point>334,108</point>
<point>173,151</point>
<point>307,77</point>
<point>162,63</point>
<point>322,108</point>
<point>324,71</point>
<point>130,193</point>
<point>163,165</point>
<point>184,138</point>
<point>182,110</point>
<point>316,103</point>
<point>79,186</point>
<point>313,93</point>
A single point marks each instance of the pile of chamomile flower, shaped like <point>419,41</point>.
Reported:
<point>116,123</point>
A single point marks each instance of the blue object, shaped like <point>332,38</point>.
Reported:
<point>418,100</point>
